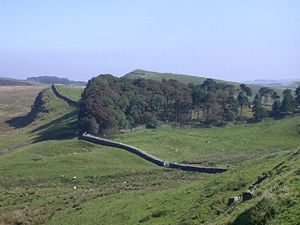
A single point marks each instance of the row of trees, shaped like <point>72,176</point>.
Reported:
<point>110,103</point>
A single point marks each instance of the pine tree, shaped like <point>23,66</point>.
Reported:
<point>259,111</point>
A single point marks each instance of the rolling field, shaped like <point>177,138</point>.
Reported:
<point>217,145</point>
<point>62,180</point>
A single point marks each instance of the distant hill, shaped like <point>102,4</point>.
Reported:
<point>292,84</point>
<point>181,78</point>
<point>55,80</point>
<point>13,82</point>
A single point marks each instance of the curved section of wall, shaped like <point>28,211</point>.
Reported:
<point>59,95</point>
<point>149,157</point>
<point>137,151</point>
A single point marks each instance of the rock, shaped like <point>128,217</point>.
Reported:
<point>247,195</point>
<point>233,200</point>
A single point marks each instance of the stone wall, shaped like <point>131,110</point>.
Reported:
<point>137,151</point>
<point>59,95</point>
<point>149,157</point>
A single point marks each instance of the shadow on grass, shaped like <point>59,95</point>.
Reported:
<point>22,121</point>
<point>65,127</point>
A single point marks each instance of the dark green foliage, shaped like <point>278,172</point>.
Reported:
<point>89,125</point>
<point>265,93</point>
<point>259,111</point>
<point>297,94</point>
<point>243,100</point>
<point>150,120</point>
<point>231,109</point>
<point>276,108</point>
<point>117,103</point>
<point>288,102</point>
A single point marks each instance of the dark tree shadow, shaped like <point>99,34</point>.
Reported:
<point>65,127</point>
<point>22,121</point>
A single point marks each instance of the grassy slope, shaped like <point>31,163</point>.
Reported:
<point>115,187</point>
<point>217,145</point>
<point>59,112</point>
<point>187,79</point>
<point>159,76</point>
<point>15,101</point>
<point>73,92</point>
<point>202,202</point>
<point>180,77</point>
<point>32,189</point>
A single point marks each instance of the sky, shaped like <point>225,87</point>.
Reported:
<point>223,39</point>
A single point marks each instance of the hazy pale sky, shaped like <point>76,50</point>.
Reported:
<point>225,39</point>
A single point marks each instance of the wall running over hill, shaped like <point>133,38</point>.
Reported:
<point>59,95</point>
<point>150,157</point>
<point>137,151</point>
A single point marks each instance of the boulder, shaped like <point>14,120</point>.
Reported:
<point>247,195</point>
<point>233,200</point>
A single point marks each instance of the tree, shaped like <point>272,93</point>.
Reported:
<point>288,102</point>
<point>231,109</point>
<point>276,108</point>
<point>297,96</point>
<point>258,110</point>
<point>89,125</point>
<point>265,93</point>
<point>198,99</point>
<point>243,100</point>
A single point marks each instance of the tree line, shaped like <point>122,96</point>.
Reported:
<point>110,103</point>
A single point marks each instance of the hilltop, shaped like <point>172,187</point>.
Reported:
<point>4,81</point>
<point>55,80</point>
<point>40,80</point>
<point>183,78</point>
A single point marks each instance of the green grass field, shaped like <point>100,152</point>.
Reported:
<point>73,92</point>
<point>217,145</point>
<point>63,180</point>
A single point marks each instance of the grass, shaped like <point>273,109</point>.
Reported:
<point>57,116</point>
<point>63,180</point>
<point>15,101</point>
<point>217,145</point>
<point>201,202</point>
<point>73,92</point>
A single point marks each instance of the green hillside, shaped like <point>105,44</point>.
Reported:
<point>182,78</point>
<point>60,179</point>
<point>72,92</point>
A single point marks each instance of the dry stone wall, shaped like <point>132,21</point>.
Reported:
<point>66,99</point>
<point>149,157</point>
